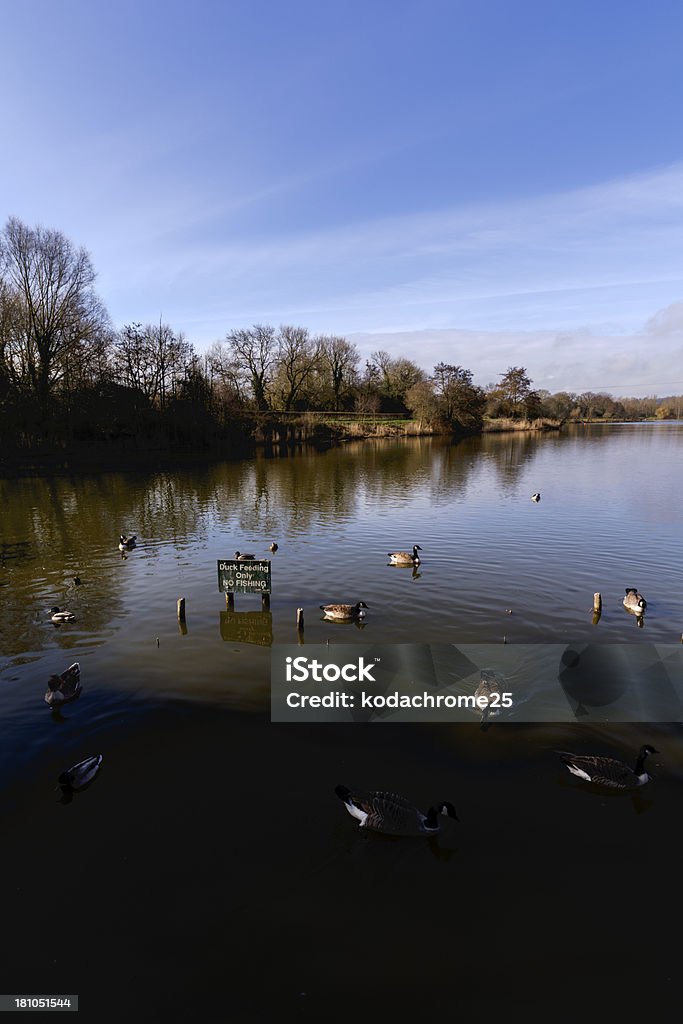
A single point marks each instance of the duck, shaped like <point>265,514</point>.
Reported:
<point>344,611</point>
<point>127,541</point>
<point>607,771</point>
<point>61,689</point>
<point>392,814</point>
<point>59,616</point>
<point>77,581</point>
<point>634,601</point>
<point>488,688</point>
<point>536,496</point>
<point>241,556</point>
<point>405,557</point>
<point>79,775</point>
<point>272,547</point>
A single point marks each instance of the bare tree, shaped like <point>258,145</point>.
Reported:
<point>395,376</point>
<point>152,359</point>
<point>58,313</point>
<point>298,356</point>
<point>339,360</point>
<point>253,351</point>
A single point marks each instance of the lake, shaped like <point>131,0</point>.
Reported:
<point>209,872</point>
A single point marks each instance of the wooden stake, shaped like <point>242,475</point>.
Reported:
<point>299,618</point>
<point>265,602</point>
<point>181,609</point>
<point>230,601</point>
<point>597,603</point>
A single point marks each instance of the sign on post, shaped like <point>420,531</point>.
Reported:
<point>235,577</point>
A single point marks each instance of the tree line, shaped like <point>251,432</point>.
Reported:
<point>67,374</point>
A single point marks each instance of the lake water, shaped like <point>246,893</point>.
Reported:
<point>210,872</point>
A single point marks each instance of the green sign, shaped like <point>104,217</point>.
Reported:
<point>247,627</point>
<point>249,577</point>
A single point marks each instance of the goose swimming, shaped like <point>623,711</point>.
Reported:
<point>79,775</point>
<point>344,611</point>
<point>59,616</point>
<point>634,601</point>
<point>405,557</point>
<point>127,541</point>
<point>488,688</point>
<point>607,771</point>
<point>61,689</point>
<point>536,496</point>
<point>392,814</point>
<point>272,547</point>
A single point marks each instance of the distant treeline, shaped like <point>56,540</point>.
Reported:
<point>67,377</point>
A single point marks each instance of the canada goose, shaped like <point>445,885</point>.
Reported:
<point>607,771</point>
<point>389,813</point>
<point>127,542</point>
<point>344,611</point>
<point>272,547</point>
<point>61,689</point>
<point>405,557</point>
<point>536,496</point>
<point>79,775</point>
<point>634,601</point>
<point>242,557</point>
<point>77,581</point>
<point>488,688</point>
<point>59,616</point>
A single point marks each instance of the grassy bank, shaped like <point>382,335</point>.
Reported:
<point>502,424</point>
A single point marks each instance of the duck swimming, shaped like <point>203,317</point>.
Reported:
<point>405,557</point>
<point>536,496</point>
<point>242,557</point>
<point>490,694</point>
<point>392,814</point>
<point>127,542</point>
<point>64,688</point>
<point>344,611</point>
<point>607,771</point>
<point>79,775</point>
<point>59,616</point>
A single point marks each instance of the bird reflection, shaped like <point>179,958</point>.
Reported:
<point>358,623</point>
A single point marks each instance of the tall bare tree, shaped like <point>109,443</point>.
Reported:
<point>253,352</point>
<point>298,356</point>
<point>153,359</point>
<point>339,360</point>
<point>58,313</point>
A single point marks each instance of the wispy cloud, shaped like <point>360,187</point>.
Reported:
<point>605,254</point>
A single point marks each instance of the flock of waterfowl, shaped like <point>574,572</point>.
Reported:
<point>378,811</point>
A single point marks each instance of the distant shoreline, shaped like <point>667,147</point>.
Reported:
<point>127,457</point>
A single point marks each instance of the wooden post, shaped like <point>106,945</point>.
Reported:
<point>299,618</point>
<point>229,600</point>
<point>265,602</point>
<point>597,603</point>
<point>181,609</point>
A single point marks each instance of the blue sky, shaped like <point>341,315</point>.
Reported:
<point>489,183</point>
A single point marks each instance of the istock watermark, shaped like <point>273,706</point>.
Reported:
<point>489,684</point>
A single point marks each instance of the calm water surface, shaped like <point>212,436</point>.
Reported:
<point>210,866</point>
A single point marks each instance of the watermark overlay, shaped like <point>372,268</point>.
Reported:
<point>485,683</point>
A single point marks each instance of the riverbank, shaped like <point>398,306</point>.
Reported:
<point>503,424</point>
